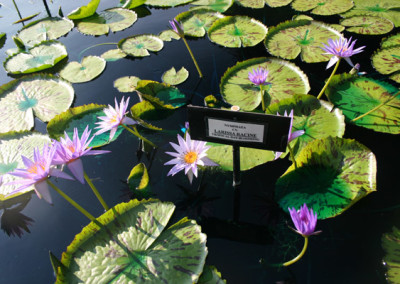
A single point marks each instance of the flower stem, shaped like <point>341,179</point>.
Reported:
<point>290,262</point>
<point>95,191</point>
<point>329,79</point>
<point>136,133</point>
<point>194,59</point>
<point>72,202</point>
<point>292,156</point>
<point>262,98</point>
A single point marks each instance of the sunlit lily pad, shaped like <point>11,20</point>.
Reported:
<point>391,41</point>
<point>175,78</point>
<point>126,84</point>
<point>387,60</point>
<point>139,45</point>
<point>114,19</point>
<point>12,146</point>
<point>43,96</point>
<point>137,246</point>
<point>391,260</point>
<point>216,5</point>
<point>286,80</point>
<point>168,35</point>
<point>80,117</point>
<point>84,11</point>
<point>237,31</point>
<point>326,7</point>
<point>113,55</point>
<point>89,68</point>
<point>277,3</point>
<point>164,3</point>
<point>289,39</point>
<point>357,95</point>
<point>40,57</point>
<point>196,22</point>
<point>148,111</point>
<point>258,4</point>
<point>332,174</point>
<point>368,25</point>
<point>45,29</point>
<point>138,181</point>
<point>131,4</point>
<point>395,77</point>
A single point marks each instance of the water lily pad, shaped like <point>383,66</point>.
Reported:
<point>114,19</point>
<point>258,4</point>
<point>45,29</point>
<point>196,22</point>
<point>277,3</point>
<point>3,37</point>
<point>391,246</point>
<point>386,60</point>
<point>43,96</point>
<point>391,41</point>
<point>89,68</point>
<point>148,111</point>
<point>286,80</point>
<point>326,7</point>
<point>138,181</point>
<point>40,57</point>
<point>332,174</point>
<point>164,3</point>
<point>357,95</point>
<point>139,45</point>
<point>175,78</point>
<point>113,55</point>
<point>12,146</point>
<point>368,25</point>
<point>168,35</point>
<point>84,11</point>
<point>304,37</point>
<point>131,4</point>
<point>395,77</point>
<point>126,84</point>
<point>216,5</point>
<point>237,31</point>
<point>210,275</point>
<point>137,247</point>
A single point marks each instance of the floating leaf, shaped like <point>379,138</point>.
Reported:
<point>332,174</point>
<point>216,5</point>
<point>12,146</point>
<point>391,260</point>
<point>164,3</point>
<point>196,22</point>
<point>113,55</point>
<point>134,245</point>
<point>386,60</point>
<point>326,7</point>
<point>304,37</point>
<point>286,80</point>
<point>40,57</point>
<point>175,78</point>
<point>138,181</point>
<point>89,68</point>
<point>84,11</point>
<point>255,4</point>
<point>148,111</point>
<point>277,3</point>
<point>139,45</point>
<point>237,31</point>
<point>210,275</point>
<point>368,25</point>
<point>391,41</point>
<point>126,84</point>
<point>131,4</point>
<point>395,77</point>
<point>168,35</point>
<point>43,96</point>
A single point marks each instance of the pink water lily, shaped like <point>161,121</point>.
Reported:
<point>305,220</point>
<point>341,48</point>
<point>259,76</point>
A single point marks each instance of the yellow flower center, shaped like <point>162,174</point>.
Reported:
<point>114,119</point>
<point>34,168</point>
<point>340,49</point>
<point>71,148</point>
<point>190,157</point>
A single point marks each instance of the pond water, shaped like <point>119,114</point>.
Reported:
<point>349,248</point>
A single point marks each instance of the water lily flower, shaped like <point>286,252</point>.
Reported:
<point>189,154</point>
<point>259,76</point>
<point>304,220</point>
<point>177,27</point>
<point>37,172</point>
<point>70,151</point>
<point>115,116</point>
<point>341,48</point>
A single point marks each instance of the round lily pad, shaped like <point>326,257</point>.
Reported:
<point>166,3</point>
<point>286,80</point>
<point>391,41</point>
<point>43,96</point>
<point>84,11</point>
<point>258,4</point>
<point>113,55</point>
<point>196,22</point>
<point>139,45</point>
<point>89,68</point>
<point>391,260</point>
<point>387,60</point>
<point>304,37</point>
<point>332,174</point>
<point>326,7</point>
<point>12,146</point>
<point>368,25</point>
<point>168,35</point>
<point>216,5</point>
<point>149,111</point>
<point>126,84</point>
<point>237,31</point>
<point>175,78</point>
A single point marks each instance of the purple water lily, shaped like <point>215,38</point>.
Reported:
<point>304,220</point>
<point>259,76</point>
<point>177,27</point>
<point>291,135</point>
<point>341,48</point>
<point>189,154</point>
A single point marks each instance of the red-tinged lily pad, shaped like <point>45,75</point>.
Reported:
<point>140,45</point>
<point>89,68</point>
<point>391,41</point>
<point>196,22</point>
<point>216,5</point>
<point>84,11</point>
<point>367,25</point>
<point>331,175</point>
<point>326,7</point>
<point>387,60</point>
<point>391,260</point>
<point>133,245</point>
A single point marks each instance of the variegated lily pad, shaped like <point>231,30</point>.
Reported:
<point>40,57</point>
<point>326,7</point>
<point>395,77</point>
<point>391,41</point>
<point>139,45</point>
<point>277,3</point>
<point>84,11</point>
<point>43,96</point>
<point>175,78</point>
<point>168,35</point>
<point>368,25</point>
<point>237,31</point>
<point>304,37</point>
<point>196,22</point>
<point>126,84</point>
<point>387,60</point>
<point>164,3</point>
<point>113,55</point>
<point>12,146</point>
<point>332,174</point>
<point>89,68</point>
<point>391,246</point>
<point>216,5</point>
<point>286,80</point>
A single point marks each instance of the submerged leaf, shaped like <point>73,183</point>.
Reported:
<point>89,68</point>
<point>175,78</point>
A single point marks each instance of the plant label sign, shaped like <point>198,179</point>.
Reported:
<point>244,129</point>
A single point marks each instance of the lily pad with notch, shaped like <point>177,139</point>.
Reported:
<point>196,22</point>
<point>387,60</point>
<point>168,35</point>
<point>175,78</point>
<point>367,25</point>
<point>89,68</point>
<point>325,7</point>
<point>140,45</point>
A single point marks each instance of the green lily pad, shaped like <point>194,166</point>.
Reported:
<point>258,4</point>
<point>357,95</point>
<point>332,174</point>
<point>210,275</point>
<point>114,19</point>
<point>391,260</point>
<point>139,45</point>
<point>149,111</point>
<point>3,37</point>
<point>12,146</point>
<point>391,41</point>
<point>80,117</point>
<point>168,35</point>
<point>45,29</point>
<point>277,3</point>
<point>175,78</point>
<point>216,5</point>
<point>196,22</point>
<point>89,68</point>
<point>134,245</point>
<point>43,96</point>
<point>40,57</point>
<point>126,84</point>
<point>367,25</point>
<point>395,77</point>
<point>304,37</point>
<point>286,80</point>
<point>326,7</point>
<point>138,181</point>
<point>84,11</point>
<point>386,60</point>
<point>166,3</point>
<point>131,4</point>
<point>113,55</point>
<point>237,31</point>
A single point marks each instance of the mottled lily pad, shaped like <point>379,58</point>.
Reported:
<point>304,37</point>
<point>139,45</point>
<point>43,96</point>
<point>258,4</point>
<point>332,174</point>
<point>196,22</point>
<point>168,35</point>
<point>391,41</point>
<point>164,3</point>
<point>286,80</point>
<point>89,68</point>
<point>126,84</point>
<point>395,77</point>
<point>12,146</point>
<point>391,246</point>
<point>367,25</point>
<point>237,31</point>
<point>326,7</point>
<point>84,11</point>
<point>387,60</point>
<point>216,5</point>
<point>175,78</point>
